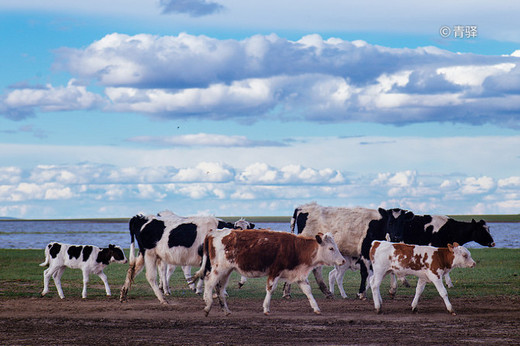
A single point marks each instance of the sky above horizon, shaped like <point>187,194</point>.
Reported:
<point>238,108</point>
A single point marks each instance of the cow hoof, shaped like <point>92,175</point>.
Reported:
<point>378,311</point>
<point>206,312</point>
<point>317,312</point>
<point>287,296</point>
<point>164,302</point>
<point>330,296</point>
<point>453,313</point>
<point>227,313</point>
<point>240,285</point>
<point>266,313</point>
<point>362,296</point>
<point>392,295</point>
<point>415,311</point>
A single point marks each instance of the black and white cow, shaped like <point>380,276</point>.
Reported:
<point>441,230</point>
<point>243,224</point>
<point>90,259</point>
<point>166,240</point>
<point>353,229</point>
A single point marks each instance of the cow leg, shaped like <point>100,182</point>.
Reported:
<point>186,270</point>
<point>151,276</point>
<point>363,266</point>
<point>222,292</point>
<point>318,275</point>
<point>133,270</point>
<point>340,275</point>
<point>375,283</point>
<point>306,289</point>
<point>165,271</point>
<point>447,278</point>
<point>444,294</point>
<point>332,279</point>
<point>269,289</point>
<point>393,285</point>
<point>56,276</point>
<point>210,282</point>
<point>242,281</point>
<point>47,274</point>
<point>103,277</point>
<point>421,283</point>
<point>286,290</point>
<point>85,282</point>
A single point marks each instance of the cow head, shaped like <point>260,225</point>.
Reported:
<point>481,233</point>
<point>394,222</point>
<point>243,224</point>
<point>461,256</point>
<point>328,252</point>
<point>116,254</point>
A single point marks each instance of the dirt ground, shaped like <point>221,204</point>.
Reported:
<point>49,320</point>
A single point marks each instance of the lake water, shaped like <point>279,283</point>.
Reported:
<point>37,234</point>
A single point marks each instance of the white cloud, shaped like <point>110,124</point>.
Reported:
<point>20,102</point>
<point>265,77</point>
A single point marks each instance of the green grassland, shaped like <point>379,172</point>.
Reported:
<point>497,274</point>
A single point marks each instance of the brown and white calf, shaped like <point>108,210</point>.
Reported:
<point>428,263</point>
<point>259,253</point>
<point>90,259</point>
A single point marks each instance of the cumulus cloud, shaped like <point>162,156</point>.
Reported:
<point>29,191</point>
<point>194,8</point>
<point>22,102</point>
<point>266,76</point>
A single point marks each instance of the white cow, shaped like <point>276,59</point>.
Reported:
<point>337,274</point>
<point>428,263</point>
<point>90,259</point>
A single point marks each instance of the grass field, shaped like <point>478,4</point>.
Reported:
<point>497,274</point>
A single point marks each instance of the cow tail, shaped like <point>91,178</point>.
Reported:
<point>293,220</point>
<point>47,257</point>
<point>205,266</point>
<point>134,227</point>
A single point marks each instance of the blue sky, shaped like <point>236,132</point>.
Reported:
<point>251,108</point>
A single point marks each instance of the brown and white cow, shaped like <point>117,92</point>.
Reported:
<point>428,263</point>
<point>258,253</point>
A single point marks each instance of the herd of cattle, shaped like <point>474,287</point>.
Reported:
<point>377,242</point>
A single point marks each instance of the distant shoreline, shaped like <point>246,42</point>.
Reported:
<point>278,219</point>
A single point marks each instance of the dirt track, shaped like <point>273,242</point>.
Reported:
<point>144,321</point>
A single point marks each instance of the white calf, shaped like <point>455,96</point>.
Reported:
<point>336,275</point>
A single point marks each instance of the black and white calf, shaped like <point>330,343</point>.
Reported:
<point>166,240</point>
<point>90,259</point>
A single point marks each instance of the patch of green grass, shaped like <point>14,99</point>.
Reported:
<point>497,274</point>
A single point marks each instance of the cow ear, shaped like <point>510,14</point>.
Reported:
<point>450,247</point>
<point>409,215</point>
<point>473,221</point>
<point>318,238</point>
<point>455,244</point>
<point>382,212</point>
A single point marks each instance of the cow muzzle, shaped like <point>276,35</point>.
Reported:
<point>492,245</point>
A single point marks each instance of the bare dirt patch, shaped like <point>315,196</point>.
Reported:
<point>50,320</point>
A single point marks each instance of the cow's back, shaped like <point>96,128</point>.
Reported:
<point>349,226</point>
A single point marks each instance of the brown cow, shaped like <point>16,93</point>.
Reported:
<point>258,253</point>
<point>428,263</point>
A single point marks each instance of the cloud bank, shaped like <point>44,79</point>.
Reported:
<point>266,77</point>
<point>49,190</point>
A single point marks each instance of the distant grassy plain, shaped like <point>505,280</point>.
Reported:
<point>497,274</point>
